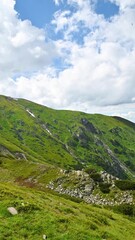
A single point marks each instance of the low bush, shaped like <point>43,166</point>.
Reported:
<point>96,177</point>
<point>125,209</point>
<point>90,170</point>
<point>104,187</point>
<point>125,185</point>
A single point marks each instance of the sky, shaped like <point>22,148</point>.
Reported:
<point>70,54</point>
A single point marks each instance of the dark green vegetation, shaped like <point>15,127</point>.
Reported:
<point>125,184</point>
<point>35,142</point>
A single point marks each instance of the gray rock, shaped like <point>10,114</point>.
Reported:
<point>12,210</point>
<point>44,236</point>
<point>84,187</point>
<point>20,156</point>
<point>88,188</point>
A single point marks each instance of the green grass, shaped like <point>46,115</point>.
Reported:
<point>115,134</point>
<point>76,140</point>
<point>42,213</point>
<point>71,143</point>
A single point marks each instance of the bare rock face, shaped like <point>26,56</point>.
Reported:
<point>89,126</point>
<point>5,152</point>
<point>20,156</point>
<point>12,210</point>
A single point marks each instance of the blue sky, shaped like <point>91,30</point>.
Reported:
<point>40,12</point>
<point>71,54</point>
<point>106,8</point>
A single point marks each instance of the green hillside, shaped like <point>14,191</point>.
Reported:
<point>71,140</point>
<point>40,148</point>
<point>42,213</point>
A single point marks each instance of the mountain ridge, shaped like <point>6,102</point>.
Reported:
<point>70,139</point>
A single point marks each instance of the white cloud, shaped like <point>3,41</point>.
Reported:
<point>23,46</point>
<point>83,17</point>
<point>99,64</point>
<point>123,4</point>
<point>102,71</point>
<point>57,2</point>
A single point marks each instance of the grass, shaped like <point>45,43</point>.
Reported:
<point>66,138</point>
<point>116,134</point>
<point>42,213</point>
<point>50,141</point>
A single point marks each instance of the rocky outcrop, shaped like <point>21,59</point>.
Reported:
<point>5,152</point>
<point>111,164</point>
<point>80,185</point>
<point>20,156</point>
<point>89,126</point>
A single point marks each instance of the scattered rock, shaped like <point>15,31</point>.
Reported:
<point>12,210</point>
<point>106,177</point>
<point>83,187</point>
<point>89,188</point>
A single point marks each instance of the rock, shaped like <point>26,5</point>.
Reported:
<point>20,156</point>
<point>89,188</point>
<point>89,126</point>
<point>50,185</point>
<point>12,210</point>
<point>44,236</point>
<point>5,152</point>
<point>83,187</point>
<point>79,173</point>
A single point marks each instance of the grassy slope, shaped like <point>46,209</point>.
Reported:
<point>70,143</point>
<point>43,213</point>
<point>117,135</point>
<point>39,210</point>
<point>24,132</point>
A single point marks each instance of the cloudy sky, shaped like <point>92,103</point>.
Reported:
<point>70,54</point>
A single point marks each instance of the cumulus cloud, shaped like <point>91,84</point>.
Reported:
<point>102,71</point>
<point>97,55</point>
<point>57,2</point>
<point>124,3</point>
<point>23,46</point>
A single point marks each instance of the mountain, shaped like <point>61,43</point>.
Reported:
<point>68,139</point>
<point>54,162</point>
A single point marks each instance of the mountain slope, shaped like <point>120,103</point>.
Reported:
<point>68,139</point>
<point>41,214</point>
<point>40,149</point>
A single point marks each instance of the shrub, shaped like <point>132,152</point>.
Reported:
<point>125,209</point>
<point>105,187</point>
<point>90,170</point>
<point>96,177</point>
<point>125,184</point>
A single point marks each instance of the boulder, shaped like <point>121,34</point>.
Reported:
<point>12,210</point>
<point>44,236</point>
